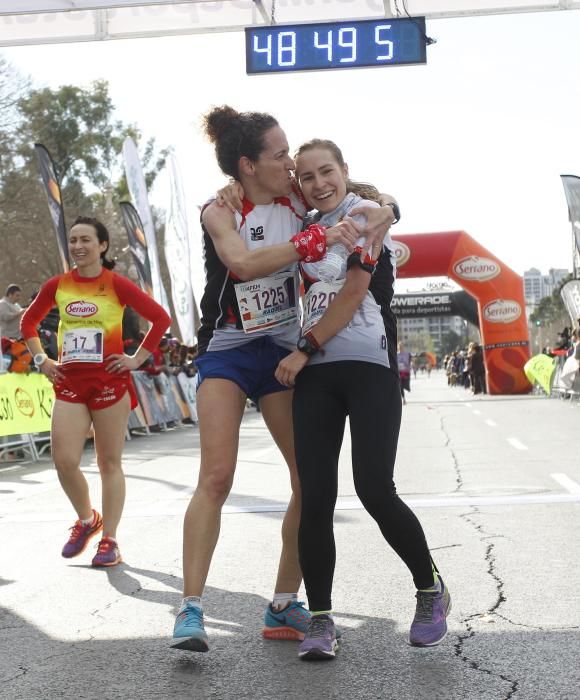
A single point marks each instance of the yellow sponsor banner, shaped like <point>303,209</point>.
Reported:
<point>25,403</point>
<point>541,368</point>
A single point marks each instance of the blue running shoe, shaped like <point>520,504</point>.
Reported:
<point>290,623</point>
<point>189,633</point>
<point>320,640</point>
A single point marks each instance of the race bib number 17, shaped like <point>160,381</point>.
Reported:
<point>82,345</point>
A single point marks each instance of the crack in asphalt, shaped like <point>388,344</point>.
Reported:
<point>470,632</point>
<point>458,475</point>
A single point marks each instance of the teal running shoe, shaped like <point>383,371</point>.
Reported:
<point>189,633</point>
<point>290,623</point>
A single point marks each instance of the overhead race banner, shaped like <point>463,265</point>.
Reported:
<point>25,403</point>
<point>178,256</point>
<point>53,194</point>
<point>572,189</point>
<point>138,190</point>
<point>498,290</point>
<point>137,245</point>
<point>570,294</point>
<point>435,304</point>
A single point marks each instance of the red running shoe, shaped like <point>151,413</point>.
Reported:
<point>108,553</point>
<point>80,536</point>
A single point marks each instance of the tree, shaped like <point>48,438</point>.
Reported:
<point>79,128</point>
<point>449,342</point>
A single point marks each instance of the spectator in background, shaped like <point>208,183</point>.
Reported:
<point>48,330</point>
<point>132,334</point>
<point>477,371</point>
<point>11,312</point>
<point>404,362</point>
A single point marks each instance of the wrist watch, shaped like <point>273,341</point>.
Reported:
<point>306,345</point>
<point>396,211</point>
<point>39,359</point>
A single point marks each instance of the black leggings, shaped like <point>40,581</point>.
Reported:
<point>370,395</point>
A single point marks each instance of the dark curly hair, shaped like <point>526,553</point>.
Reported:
<point>102,234</point>
<point>236,134</point>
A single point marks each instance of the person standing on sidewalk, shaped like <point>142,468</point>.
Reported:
<point>342,367</point>
<point>92,380</point>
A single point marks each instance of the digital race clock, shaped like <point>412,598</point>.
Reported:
<point>359,44</point>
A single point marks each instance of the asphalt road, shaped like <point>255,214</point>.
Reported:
<point>494,480</point>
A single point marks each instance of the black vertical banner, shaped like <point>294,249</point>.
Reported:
<point>572,189</point>
<point>53,194</point>
<point>137,245</point>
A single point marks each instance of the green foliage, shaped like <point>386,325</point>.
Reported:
<point>79,128</point>
<point>550,309</point>
<point>449,342</point>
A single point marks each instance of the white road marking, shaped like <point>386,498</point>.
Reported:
<point>476,412</point>
<point>467,405</point>
<point>569,484</point>
<point>491,423</point>
<point>514,442</point>
<point>176,508</point>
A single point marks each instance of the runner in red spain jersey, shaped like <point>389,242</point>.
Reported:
<point>92,381</point>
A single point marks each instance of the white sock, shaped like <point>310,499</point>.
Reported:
<point>281,600</point>
<point>194,600</point>
<point>88,521</point>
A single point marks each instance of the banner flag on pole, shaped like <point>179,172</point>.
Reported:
<point>540,369</point>
<point>178,256</point>
<point>137,245</point>
<point>572,190</point>
<point>570,294</point>
<point>138,190</point>
<point>53,194</point>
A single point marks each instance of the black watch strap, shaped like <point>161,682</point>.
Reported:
<point>396,211</point>
<point>308,345</point>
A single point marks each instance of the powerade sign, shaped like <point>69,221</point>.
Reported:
<point>436,304</point>
<point>410,305</point>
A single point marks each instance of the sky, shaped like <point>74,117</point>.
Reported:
<point>474,140</point>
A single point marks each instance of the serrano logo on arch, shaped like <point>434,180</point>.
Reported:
<point>476,269</point>
<point>402,253</point>
<point>502,311</point>
<point>81,308</point>
<point>23,402</point>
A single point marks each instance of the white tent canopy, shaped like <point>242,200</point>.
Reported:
<point>57,21</point>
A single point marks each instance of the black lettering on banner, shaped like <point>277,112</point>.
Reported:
<point>6,410</point>
<point>45,402</point>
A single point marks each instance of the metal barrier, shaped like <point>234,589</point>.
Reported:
<point>565,385</point>
<point>163,400</point>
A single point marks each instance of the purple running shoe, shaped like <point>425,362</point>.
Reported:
<point>80,536</point>
<point>108,553</point>
<point>429,625</point>
<point>320,639</point>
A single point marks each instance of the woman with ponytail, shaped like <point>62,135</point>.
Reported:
<point>92,381</point>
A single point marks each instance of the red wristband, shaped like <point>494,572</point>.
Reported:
<point>310,244</point>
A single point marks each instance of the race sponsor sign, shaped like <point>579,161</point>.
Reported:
<point>25,403</point>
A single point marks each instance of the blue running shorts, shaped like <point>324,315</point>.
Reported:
<point>251,366</point>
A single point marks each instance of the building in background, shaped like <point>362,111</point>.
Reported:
<point>537,285</point>
<point>414,332</point>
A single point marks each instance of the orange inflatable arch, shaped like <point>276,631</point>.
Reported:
<point>499,292</point>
